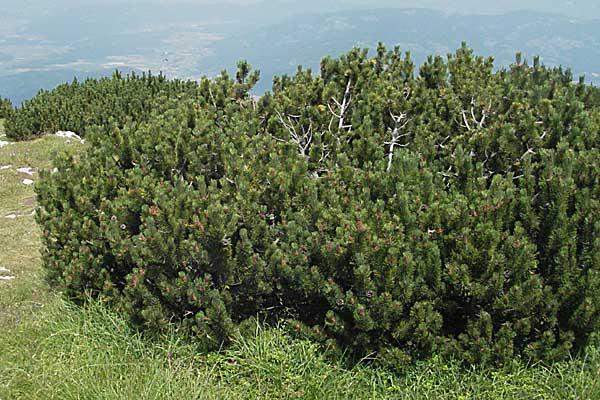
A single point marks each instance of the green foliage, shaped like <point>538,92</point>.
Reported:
<point>78,105</point>
<point>454,212</point>
<point>6,108</point>
<point>49,348</point>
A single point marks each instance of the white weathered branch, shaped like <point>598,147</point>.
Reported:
<point>465,122</point>
<point>342,108</point>
<point>396,136</point>
<point>441,144</point>
<point>324,151</point>
<point>488,157</point>
<point>529,151</point>
<point>474,121</point>
<point>302,137</point>
<point>448,174</point>
<point>212,98</point>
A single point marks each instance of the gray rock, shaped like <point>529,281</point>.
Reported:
<point>69,135</point>
<point>26,170</point>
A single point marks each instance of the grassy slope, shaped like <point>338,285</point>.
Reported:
<point>19,237</point>
<point>49,349</point>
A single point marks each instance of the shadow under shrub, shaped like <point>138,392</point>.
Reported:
<point>451,212</point>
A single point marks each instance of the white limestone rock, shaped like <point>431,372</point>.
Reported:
<point>26,170</point>
<point>69,135</point>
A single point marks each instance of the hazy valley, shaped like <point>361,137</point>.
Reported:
<point>42,47</point>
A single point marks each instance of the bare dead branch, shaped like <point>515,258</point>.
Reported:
<point>212,97</point>
<point>302,139</point>
<point>466,123</point>
<point>342,107</point>
<point>474,121</point>
<point>529,151</point>
<point>488,156</point>
<point>441,144</point>
<point>400,122</point>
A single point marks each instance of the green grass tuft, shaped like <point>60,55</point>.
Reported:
<point>61,351</point>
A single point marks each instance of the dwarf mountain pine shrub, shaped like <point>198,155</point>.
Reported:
<point>453,211</point>
<point>6,108</point>
<point>77,106</point>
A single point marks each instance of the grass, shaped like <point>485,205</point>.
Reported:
<point>51,349</point>
<point>64,352</point>
<point>19,235</point>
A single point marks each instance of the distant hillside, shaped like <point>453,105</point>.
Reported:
<point>558,40</point>
<point>187,47</point>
